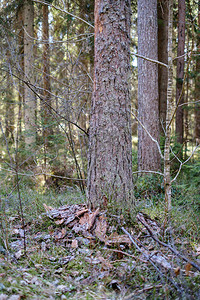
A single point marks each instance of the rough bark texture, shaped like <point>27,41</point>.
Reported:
<point>46,73</point>
<point>46,102</point>
<point>170,108</point>
<point>197,85</point>
<point>180,69</point>
<point>20,33</point>
<point>148,108</point>
<point>9,113</point>
<point>110,158</point>
<point>163,57</point>
<point>29,97</point>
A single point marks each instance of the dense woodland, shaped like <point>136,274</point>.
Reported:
<point>100,149</point>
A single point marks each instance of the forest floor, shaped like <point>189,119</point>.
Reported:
<point>75,253</point>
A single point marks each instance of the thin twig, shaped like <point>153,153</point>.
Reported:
<point>145,289</point>
<point>63,10</point>
<point>31,86</point>
<point>151,60</point>
<point>144,171</point>
<point>43,173</point>
<point>183,163</point>
<point>182,91</point>
<point>158,146</point>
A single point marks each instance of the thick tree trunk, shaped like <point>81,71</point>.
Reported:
<point>180,69</point>
<point>110,158</point>
<point>163,57</point>
<point>197,83</point>
<point>29,101</point>
<point>148,108</point>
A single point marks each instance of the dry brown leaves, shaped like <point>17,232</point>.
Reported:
<point>90,224</point>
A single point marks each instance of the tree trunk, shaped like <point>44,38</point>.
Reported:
<point>46,102</point>
<point>20,33</point>
<point>29,101</point>
<point>163,57</point>
<point>109,157</point>
<point>197,83</point>
<point>170,106</point>
<point>10,106</point>
<point>148,108</point>
<point>180,69</point>
<point>46,75</point>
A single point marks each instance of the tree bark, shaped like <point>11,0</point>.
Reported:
<point>197,82</point>
<point>46,75</point>
<point>46,102</point>
<point>163,57</point>
<point>180,69</point>
<point>29,97</point>
<point>170,107</point>
<point>20,33</point>
<point>109,156</point>
<point>148,108</point>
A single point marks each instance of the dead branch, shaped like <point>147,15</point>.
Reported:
<point>140,218</point>
<point>145,289</point>
<point>151,60</point>
<point>162,276</point>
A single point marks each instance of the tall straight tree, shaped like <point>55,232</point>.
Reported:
<point>180,69</point>
<point>163,57</point>
<point>197,82</point>
<point>46,70</point>
<point>148,108</point>
<point>110,158</point>
<point>29,97</point>
<point>46,102</point>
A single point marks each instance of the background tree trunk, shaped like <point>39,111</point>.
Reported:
<point>46,102</point>
<point>30,101</point>
<point>148,108</point>
<point>180,69</point>
<point>20,33</point>
<point>110,158</point>
<point>197,82</point>
<point>170,107</point>
<point>163,57</point>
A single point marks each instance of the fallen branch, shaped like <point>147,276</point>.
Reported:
<point>141,218</point>
<point>162,276</point>
<point>127,254</point>
<point>145,289</point>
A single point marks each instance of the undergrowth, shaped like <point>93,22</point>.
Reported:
<point>46,273</point>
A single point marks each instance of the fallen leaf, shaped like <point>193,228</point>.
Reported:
<point>74,244</point>
<point>187,269</point>
<point>101,228</point>
<point>197,250</point>
<point>115,238</point>
<point>18,254</point>
<point>47,208</point>
<point>15,231</point>
<point>177,271</point>
<point>59,222</point>
<point>81,212</point>
<point>105,263</point>
<point>43,246</point>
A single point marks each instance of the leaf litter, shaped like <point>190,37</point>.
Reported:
<point>83,249</point>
